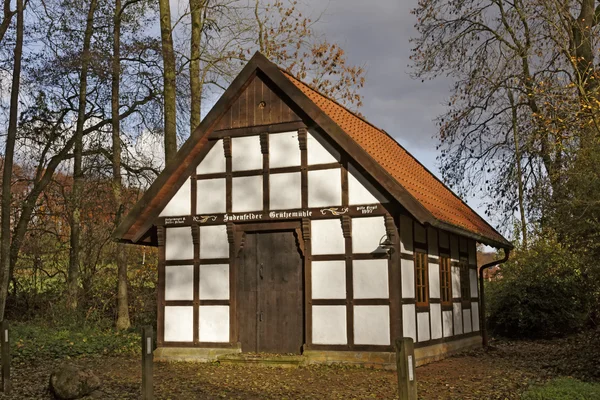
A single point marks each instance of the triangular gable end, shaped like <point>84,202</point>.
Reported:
<point>243,105</point>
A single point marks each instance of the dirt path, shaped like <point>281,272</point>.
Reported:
<point>500,374</point>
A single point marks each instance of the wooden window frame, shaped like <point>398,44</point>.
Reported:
<point>445,280</point>
<point>421,271</point>
<point>465,281</point>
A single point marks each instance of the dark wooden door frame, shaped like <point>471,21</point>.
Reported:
<point>239,230</point>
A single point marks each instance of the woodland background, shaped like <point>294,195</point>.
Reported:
<point>97,95</point>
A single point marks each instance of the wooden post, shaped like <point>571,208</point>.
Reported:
<point>5,354</point>
<point>147,363</point>
<point>405,366</point>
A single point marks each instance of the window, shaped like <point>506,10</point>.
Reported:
<point>422,280</point>
<point>465,285</point>
<point>445,280</point>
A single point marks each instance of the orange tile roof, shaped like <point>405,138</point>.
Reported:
<point>438,199</point>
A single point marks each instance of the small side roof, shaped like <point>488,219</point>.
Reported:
<point>407,180</point>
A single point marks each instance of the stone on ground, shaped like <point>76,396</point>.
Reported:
<point>71,382</point>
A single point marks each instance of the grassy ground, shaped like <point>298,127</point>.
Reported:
<point>508,371</point>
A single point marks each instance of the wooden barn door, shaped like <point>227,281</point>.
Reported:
<point>270,293</point>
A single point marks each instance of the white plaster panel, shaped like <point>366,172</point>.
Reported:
<point>408,321</point>
<point>370,279</point>
<point>284,150</point>
<point>179,244</point>
<point>372,325</point>
<point>434,281</point>
<point>210,196</point>
<point>180,203</point>
<point>473,281</point>
<point>325,188</point>
<point>408,278</point>
<point>214,161</point>
<point>179,282</point>
<point>455,281</point>
<point>327,237</point>
<point>285,191</point>
<point>423,327</point>
<point>475,315</point>
<point>179,324</point>
<point>213,242</point>
<point>367,233</point>
<point>329,325</point>
<point>247,193</point>
<point>358,193</point>
<point>458,319</point>
<point>246,154</point>
<point>447,317</point>
<point>436,320</point>
<point>444,239</point>
<point>317,153</point>
<point>214,282</point>
<point>467,321</point>
<point>213,324</point>
<point>406,234</point>
<point>328,279</point>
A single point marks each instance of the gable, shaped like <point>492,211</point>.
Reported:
<point>256,105</point>
<point>386,165</point>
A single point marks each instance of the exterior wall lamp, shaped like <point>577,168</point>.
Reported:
<point>386,244</point>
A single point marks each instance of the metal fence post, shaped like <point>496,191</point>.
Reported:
<point>405,366</point>
<point>147,363</point>
<point>5,354</point>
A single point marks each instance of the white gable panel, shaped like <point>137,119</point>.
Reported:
<point>327,237</point>
<point>325,188</point>
<point>284,150</point>
<point>436,320</point>
<point>367,234</point>
<point>214,162</point>
<point>285,191</point>
<point>211,196</point>
<point>179,244</point>
<point>473,280</point>
<point>408,278</point>
<point>408,321</point>
<point>317,153</point>
<point>447,316</point>
<point>423,327</point>
<point>246,154</point>
<point>360,191</point>
<point>328,279</point>
<point>213,324</point>
<point>214,282</point>
<point>213,242</point>
<point>179,282</point>
<point>329,325</point>
<point>370,279</point>
<point>458,319</point>
<point>180,203</point>
<point>247,194</point>
<point>179,324</point>
<point>372,325</point>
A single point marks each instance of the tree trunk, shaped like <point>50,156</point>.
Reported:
<point>7,15</point>
<point>169,82</point>
<point>521,198</point>
<point>8,162</point>
<point>73,273</point>
<point>123,321</point>
<point>197,7</point>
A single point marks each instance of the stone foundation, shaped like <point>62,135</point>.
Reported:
<point>196,354</point>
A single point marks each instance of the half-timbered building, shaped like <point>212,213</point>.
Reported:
<point>288,224</point>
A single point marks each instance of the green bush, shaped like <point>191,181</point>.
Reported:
<point>564,389</point>
<point>539,293</point>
